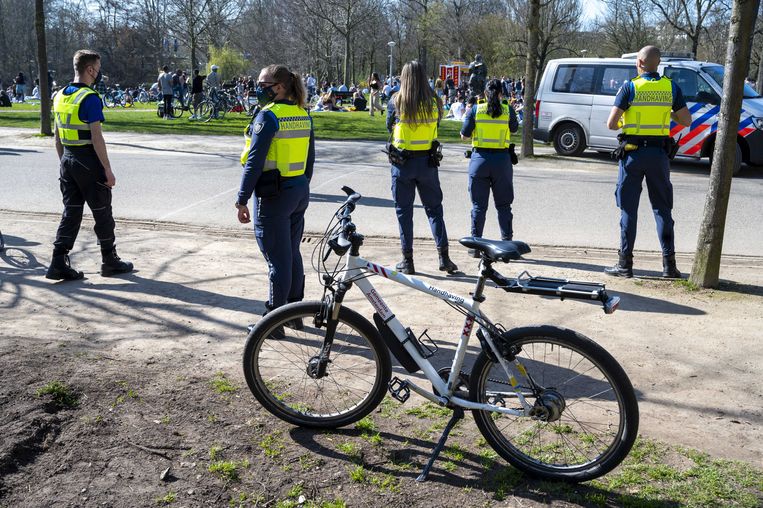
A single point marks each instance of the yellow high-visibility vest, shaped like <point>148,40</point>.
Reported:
<point>649,113</point>
<point>291,142</point>
<point>491,132</point>
<point>415,137</point>
<point>71,130</point>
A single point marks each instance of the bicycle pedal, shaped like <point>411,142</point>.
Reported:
<point>399,389</point>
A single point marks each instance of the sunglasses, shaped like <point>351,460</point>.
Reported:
<point>260,84</point>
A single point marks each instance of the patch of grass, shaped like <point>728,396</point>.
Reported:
<point>245,499</point>
<point>349,448</point>
<point>337,126</point>
<point>504,481</point>
<point>61,394</point>
<point>428,410</point>
<point>386,482</point>
<point>272,445</point>
<point>211,418</point>
<point>308,462</point>
<point>215,453</point>
<point>165,420</point>
<point>228,469</point>
<point>488,457</point>
<point>336,503</point>
<point>365,425</point>
<point>222,384</point>
<point>295,491</point>
<point>685,284</point>
<point>388,407</point>
<point>454,452</point>
<point>449,466</point>
<point>358,474</point>
<point>169,498</point>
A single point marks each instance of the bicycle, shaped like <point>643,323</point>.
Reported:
<point>117,97</point>
<point>550,401</point>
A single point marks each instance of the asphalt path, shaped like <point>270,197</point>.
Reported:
<point>559,201</point>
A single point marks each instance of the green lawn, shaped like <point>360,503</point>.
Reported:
<point>347,126</point>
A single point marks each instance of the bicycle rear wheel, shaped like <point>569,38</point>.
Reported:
<point>177,108</point>
<point>278,360</point>
<point>108,100</point>
<point>585,411</point>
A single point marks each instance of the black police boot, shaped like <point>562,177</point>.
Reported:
<point>112,264</point>
<point>669,270</point>
<point>623,268</point>
<point>446,265</point>
<point>406,265</point>
<point>61,269</point>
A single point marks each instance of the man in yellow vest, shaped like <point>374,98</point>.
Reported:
<point>85,171</point>
<point>644,107</point>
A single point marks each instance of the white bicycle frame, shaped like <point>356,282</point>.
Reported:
<point>356,266</point>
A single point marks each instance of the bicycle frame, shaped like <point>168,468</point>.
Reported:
<point>356,266</point>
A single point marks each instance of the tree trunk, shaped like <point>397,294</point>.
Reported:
<point>42,59</point>
<point>346,72</point>
<point>707,260</point>
<point>533,39</point>
<point>759,80</point>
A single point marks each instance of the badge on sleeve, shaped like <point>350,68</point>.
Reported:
<point>258,127</point>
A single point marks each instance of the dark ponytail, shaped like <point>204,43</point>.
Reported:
<point>493,92</point>
<point>295,89</point>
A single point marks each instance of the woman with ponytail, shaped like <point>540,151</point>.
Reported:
<point>489,124</point>
<point>278,165</point>
<point>413,115</point>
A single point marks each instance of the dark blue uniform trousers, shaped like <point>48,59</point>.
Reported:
<point>653,164</point>
<point>278,226</point>
<point>416,174</point>
<point>491,170</point>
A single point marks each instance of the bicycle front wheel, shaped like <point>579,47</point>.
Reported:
<point>585,414</point>
<point>279,366</point>
<point>205,111</point>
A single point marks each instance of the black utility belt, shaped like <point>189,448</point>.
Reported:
<point>645,141</point>
<point>415,154</point>
<point>490,150</point>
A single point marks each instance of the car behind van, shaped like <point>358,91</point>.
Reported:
<point>576,95</point>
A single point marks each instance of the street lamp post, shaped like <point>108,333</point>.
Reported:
<point>391,45</point>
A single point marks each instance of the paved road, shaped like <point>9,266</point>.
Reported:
<point>559,201</point>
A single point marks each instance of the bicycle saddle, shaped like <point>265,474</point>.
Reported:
<point>496,250</point>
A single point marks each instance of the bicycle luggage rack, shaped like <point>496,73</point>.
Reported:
<point>561,288</point>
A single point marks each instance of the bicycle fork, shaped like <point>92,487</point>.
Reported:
<point>329,317</point>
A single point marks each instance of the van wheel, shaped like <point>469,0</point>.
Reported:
<point>569,140</point>
<point>737,160</point>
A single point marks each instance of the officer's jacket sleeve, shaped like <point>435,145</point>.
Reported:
<point>678,98</point>
<point>263,130</point>
<point>310,155</point>
<point>623,99</point>
<point>513,121</point>
<point>391,115</point>
<point>467,128</point>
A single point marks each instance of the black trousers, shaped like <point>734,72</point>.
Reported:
<point>83,180</point>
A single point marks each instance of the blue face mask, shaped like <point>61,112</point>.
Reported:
<point>265,95</point>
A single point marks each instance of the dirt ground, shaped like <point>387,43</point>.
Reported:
<point>143,352</point>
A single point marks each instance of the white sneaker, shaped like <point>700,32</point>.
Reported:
<point>192,117</point>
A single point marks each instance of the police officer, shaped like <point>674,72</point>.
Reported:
<point>278,165</point>
<point>646,105</point>
<point>85,171</point>
<point>490,123</point>
<point>413,116</point>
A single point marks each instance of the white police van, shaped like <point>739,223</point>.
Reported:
<point>575,97</point>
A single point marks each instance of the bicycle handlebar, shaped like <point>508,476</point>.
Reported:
<point>341,242</point>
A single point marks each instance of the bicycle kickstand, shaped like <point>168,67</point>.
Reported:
<point>458,414</point>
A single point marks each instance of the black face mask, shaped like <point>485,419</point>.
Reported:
<point>265,94</point>
<point>98,78</point>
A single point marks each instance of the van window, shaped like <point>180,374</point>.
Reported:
<point>693,86</point>
<point>574,79</point>
<point>613,78</point>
